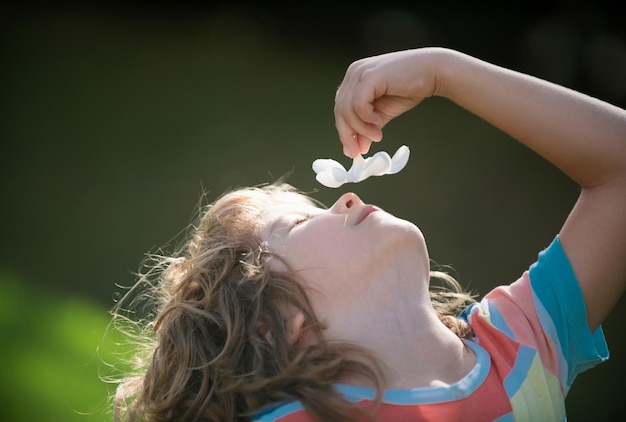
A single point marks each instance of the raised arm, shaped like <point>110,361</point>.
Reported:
<point>583,136</point>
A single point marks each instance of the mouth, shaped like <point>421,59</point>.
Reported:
<point>367,210</point>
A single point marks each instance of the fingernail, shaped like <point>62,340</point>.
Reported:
<point>348,151</point>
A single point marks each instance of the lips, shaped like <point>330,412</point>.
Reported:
<point>367,210</point>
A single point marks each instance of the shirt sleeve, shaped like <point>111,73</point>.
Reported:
<point>561,308</point>
<point>542,314</point>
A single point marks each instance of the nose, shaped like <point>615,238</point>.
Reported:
<point>345,203</point>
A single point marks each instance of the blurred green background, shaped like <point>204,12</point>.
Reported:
<point>117,116</point>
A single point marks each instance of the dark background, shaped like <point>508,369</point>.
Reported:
<point>116,117</point>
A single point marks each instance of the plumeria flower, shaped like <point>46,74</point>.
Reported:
<point>332,174</point>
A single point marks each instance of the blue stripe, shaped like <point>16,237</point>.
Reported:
<point>555,285</point>
<point>498,321</point>
<point>428,395</point>
<point>495,317</point>
<point>274,412</point>
<point>547,277</point>
<point>551,331</point>
<point>519,372</point>
<point>509,417</point>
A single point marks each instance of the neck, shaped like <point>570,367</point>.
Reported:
<point>406,335</point>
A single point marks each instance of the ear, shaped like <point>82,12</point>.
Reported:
<point>295,325</point>
<point>295,328</point>
<point>265,332</point>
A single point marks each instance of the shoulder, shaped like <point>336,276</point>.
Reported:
<point>547,293</point>
<point>543,310</point>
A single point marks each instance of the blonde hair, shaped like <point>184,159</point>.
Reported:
<point>202,353</point>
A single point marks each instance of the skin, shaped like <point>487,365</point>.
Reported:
<point>583,136</point>
<point>345,254</point>
<point>374,292</point>
<point>367,274</point>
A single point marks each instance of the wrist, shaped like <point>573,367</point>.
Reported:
<point>447,66</point>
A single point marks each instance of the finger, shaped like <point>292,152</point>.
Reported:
<point>349,122</point>
<point>364,96</point>
<point>390,107</point>
<point>360,112</point>
<point>367,120</point>
<point>348,137</point>
<point>364,143</point>
<point>355,135</point>
<point>348,126</point>
<point>353,142</point>
<point>355,117</point>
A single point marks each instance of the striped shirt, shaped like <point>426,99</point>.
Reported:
<point>531,340</point>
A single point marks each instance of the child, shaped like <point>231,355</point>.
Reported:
<point>280,310</point>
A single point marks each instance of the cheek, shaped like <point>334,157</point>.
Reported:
<point>332,268</point>
<point>319,254</point>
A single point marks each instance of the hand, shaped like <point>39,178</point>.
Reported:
<point>378,89</point>
<point>581,135</point>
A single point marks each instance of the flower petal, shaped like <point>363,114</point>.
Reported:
<point>323,164</point>
<point>332,174</point>
<point>399,159</point>
<point>357,167</point>
<point>332,177</point>
<point>376,165</point>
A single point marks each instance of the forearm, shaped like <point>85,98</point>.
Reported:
<point>583,136</point>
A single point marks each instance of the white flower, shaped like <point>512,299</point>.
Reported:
<point>332,174</point>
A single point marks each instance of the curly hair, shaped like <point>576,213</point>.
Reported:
<point>202,349</point>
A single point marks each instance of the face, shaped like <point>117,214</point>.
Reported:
<point>344,253</point>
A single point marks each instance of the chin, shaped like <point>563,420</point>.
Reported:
<point>413,231</point>
<point>406,236</point>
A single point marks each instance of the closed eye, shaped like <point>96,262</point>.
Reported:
<point>301,220</point>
